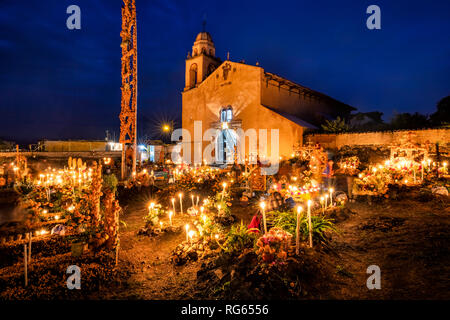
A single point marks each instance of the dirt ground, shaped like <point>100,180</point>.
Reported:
<point>409,240</point>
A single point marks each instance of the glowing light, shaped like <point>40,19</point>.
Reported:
<point>262,205</point>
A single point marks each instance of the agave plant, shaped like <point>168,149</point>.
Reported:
<point>239,238</point>
<point>287,220</point>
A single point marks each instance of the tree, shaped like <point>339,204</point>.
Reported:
<point>6,145</point>
<point>409,121</point>
<point>335,126</point>
<point>367,121</point>
<point>442,116</point>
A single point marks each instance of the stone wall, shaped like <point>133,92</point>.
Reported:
<point>337,141</point>
<point>65,154</point>
<point>75,145</point>
<point>39,161</point>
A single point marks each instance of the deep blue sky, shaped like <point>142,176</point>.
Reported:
<point>60,83</point>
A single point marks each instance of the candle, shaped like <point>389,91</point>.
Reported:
<point>331,196</point>
<point>198,198</point>
<point>151,206</point>
<point>297,231</point>
<point>192,198</point>
<point>321,203</point>
<point>187,232</point>
<point>173,205</point>
<point>223,191</point>
<point>170,217</point>
<point>423,164</point>
<point>263,207</point>
<point>191,234</point>
<point>309,223</point>
<point>181,202</point>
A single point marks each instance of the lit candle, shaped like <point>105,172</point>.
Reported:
<point>309,223</point>
<point>187,232</point>
<point>423,164</point>
<point>173,205</point>
<point>151,206</point>
<point>223,191</point>
<point>181,202</point>
<point>331,197</point>
<point>191,235</point>
<point>297,231</point>
<point>192,198</point>
<point>170,217</point>
<point>263,207</point>
<point>321,203</point>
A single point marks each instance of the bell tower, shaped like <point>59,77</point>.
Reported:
<point>202,61</point>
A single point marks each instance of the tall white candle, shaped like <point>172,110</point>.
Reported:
<point>423,164</point>
<point>322,205</point>
<point>297,231</point>
<point>173,205</point>
<point>223,191</point>
<point>181,202</point>
<point>25,262</point>
<point>263,207</point>
<point>309,224</point>
<point>331,197</point>
<point>170,217</point>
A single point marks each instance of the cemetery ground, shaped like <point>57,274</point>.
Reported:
<point>407,236</point>
<point>408,239</point>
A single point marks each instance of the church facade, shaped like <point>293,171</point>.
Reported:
<point>232,97</point>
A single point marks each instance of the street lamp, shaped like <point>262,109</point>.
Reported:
<point>166,128</point>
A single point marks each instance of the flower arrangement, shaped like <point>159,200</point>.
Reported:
<point>273,246</point>
<point>152,217</point>
<point>370,183</point>
<point>348,166</point>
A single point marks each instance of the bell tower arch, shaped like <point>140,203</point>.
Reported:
<point>202,61</point>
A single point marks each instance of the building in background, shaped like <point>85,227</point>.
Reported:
<point>229,95</point>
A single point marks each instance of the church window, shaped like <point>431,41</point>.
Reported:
<point>226,114</point>
<point>193,75</point>
<point>211,69</point>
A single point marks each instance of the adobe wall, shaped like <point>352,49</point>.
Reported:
<point>337,141</point>
<point>58,146</point>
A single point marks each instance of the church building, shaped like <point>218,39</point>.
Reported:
<point>228,96</point>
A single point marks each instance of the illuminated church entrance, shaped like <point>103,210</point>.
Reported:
<point>227,139</point>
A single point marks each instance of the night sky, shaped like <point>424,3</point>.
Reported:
<point>60,83</point>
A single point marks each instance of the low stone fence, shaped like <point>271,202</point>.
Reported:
<point>65,154</point>
<point>337,141</point>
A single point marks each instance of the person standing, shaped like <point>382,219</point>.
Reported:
<point>328,174</point>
